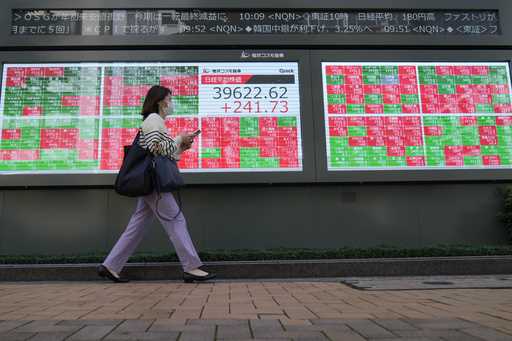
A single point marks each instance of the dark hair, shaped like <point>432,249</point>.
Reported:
<point>154,95</point>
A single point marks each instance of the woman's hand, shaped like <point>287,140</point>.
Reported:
<point>186,140</point>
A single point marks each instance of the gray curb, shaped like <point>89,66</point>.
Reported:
<point>428,266</point>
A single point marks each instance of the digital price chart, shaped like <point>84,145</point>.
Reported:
<point>385,116</point>
<point>76,117</point>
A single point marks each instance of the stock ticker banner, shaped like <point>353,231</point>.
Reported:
<point>164,22</point>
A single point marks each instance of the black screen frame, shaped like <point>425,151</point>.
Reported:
<point>408,175</point>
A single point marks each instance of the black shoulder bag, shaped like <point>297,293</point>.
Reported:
<point>135,177</point>
<point>142,172</point>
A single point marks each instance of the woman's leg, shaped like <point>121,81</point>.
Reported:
<point>176,229</point>
<point>130,238</point>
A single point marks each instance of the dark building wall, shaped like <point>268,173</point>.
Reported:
<point>259,216</point>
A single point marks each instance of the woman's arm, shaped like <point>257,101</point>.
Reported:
<point>158,141</point>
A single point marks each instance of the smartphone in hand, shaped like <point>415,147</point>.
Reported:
<point>197,132</point>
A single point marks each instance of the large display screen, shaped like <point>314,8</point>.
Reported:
<point>76,117</point>
<point>387,116</point>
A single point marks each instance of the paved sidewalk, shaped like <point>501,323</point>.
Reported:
<point>248,310</point>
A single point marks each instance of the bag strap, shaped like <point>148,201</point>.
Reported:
<point>155,178</point>
<point>179,205</point>
<point>137,137</point>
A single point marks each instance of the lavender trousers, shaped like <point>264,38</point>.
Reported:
<point>176,229</point>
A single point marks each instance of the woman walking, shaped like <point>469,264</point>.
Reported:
<point>154,137</point>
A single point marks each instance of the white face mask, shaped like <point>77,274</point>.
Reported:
<point>167,110</point>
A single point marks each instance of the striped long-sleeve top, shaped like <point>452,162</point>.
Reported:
<point>154,137</point>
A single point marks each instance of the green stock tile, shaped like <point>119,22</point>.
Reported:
<point>21,123</point>
<point>373,99</point>
<point>448,120</point>
<point>452,141</point>
<point>336,79</point>
<point>506,161</point>
<point>435,161</point>
<point>434,148</point>
<point>377,162</point>
<point>414,151</point>
<point>338,152</point>
<point>499,79</point>
<point>447,89</point>
<point>375,151</point>
<point>470,140</point>
<point>499,70</point>
<point>86,164</point>
<point>186,105</point>
<point>427,69</point>
<point>13,111</point>
<point>336,99</point>
<point>469,130</point>
<point>249,153</point>
<point>484,108</point>
<point>69,110</point>
<point>460,80</point>
<point>478,79</point>
<point>504,130</point>
<point>488,150</point>
<point>249,163</point>
<point>396,161</point>
<point>121,110</point>
<point>359,151</point>
<point>504,137</point>
<point>185,100</point>
<point>504,150</point>
<point>500,99</point>
<point>445,79</point>
<point>428,79</point>
<point>388,70</point>
<point>430,120</point>
<point>355,108</point>
<point>131,122</point>
<point>210,153</point>
<point>432,140</point>
<point>58,154</point>
<point>338,141</point>
<point>126,122</point>
<point>472,161</point>
<point>357,162</point>
<point>16,165</point>
<point>486,120</point>
<point>12,144</point>
<point>357,131</point>
<point>371,79</point>
<point>392,108</point>
<point>336,161</point>
<point>371,69</point>
<point>269,162</point>
<point>289,121</point>
<point>409,99</point>
<point>451,131</point>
